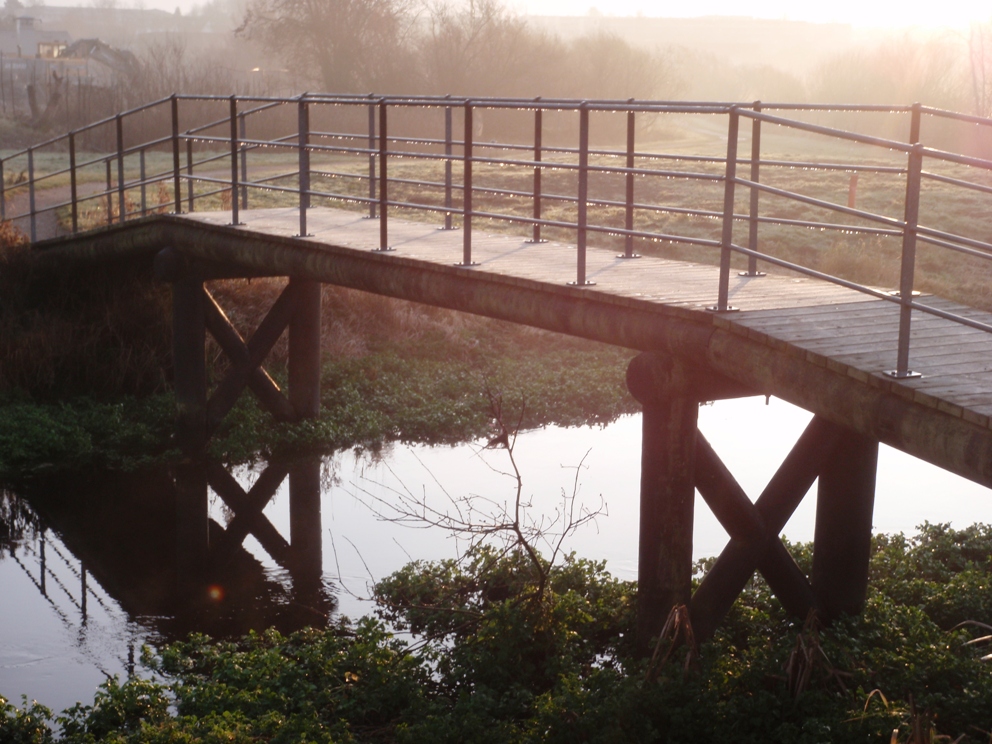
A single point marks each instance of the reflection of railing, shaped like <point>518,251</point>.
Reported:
<point>69,605</point>
<point>356,141</point>
<point>157,565</point>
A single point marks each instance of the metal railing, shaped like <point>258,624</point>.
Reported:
<point>388,154</point>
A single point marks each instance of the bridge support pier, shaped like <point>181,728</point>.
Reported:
<point>195,311</point>
<point>304,349</point>
<point>670,392</point>
<point>192,528</point>
<point>676,460</point>
<point>305,535</point>
<point>664,558</point>
<point>845,501</point>
<point>189,335</point>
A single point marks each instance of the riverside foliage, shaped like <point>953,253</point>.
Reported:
<point>494,661</point>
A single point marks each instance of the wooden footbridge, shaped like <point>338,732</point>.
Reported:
<point>406,197</point>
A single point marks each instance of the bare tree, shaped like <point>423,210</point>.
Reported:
<point>980,59</point>
<point>604,65</point>
<point>512,525</point>
<point>349,46</point>
<point>483,49</point>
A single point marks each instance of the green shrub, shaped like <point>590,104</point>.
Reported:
<point>494,658</point>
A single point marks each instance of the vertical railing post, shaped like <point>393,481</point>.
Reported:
<point>372,148</point>
<point>143,174</point>
<point>538,154</point>
<point>467,186</point>
<point>176,175</point>
<point>908,267</point>
<point>121,205</point>
<point>582,216</point>
<point>31,202</point>
<point>3,194</point>
<point>303,140</point>
<point>727,239</point>
<point>243,135</point>
<point>906,274</point>
<point>447,167</point>
<point>628,222</point>
<point>73,192</point>
<point>235,147</point>
<point>189,173</point>
<point>383,178</point>
<point>752,219</point>
<point>44,567</point>
<point>110,193</point>
<point>914,123</point>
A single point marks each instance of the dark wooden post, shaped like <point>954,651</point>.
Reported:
<point>842,538</point>
<point>304,525</point>
<point>304,350</point>
<point>189,362</point>
<point>192,528</point>
<point>664,568</point>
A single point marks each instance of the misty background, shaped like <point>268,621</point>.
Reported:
<point>480,48</point>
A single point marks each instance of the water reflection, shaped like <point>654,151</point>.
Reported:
<point>123,559</point>
<point>93,566</point>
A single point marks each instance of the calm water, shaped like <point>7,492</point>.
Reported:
<point>84,587</point>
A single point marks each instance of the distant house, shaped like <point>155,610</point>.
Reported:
<point>102,62</point>
<point>23,36</point>
<point>41,69</point>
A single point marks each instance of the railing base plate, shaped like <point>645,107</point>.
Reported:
<point>907,375</point>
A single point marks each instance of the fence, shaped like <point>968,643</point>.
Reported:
<point>429,154</point>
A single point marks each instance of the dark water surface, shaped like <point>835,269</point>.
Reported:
<point>95,566</point>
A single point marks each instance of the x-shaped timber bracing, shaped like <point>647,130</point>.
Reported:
<point>754,528</point>
<point>246,359</point>
<point>195,311</point>
<point>206,551</point>
<point>677,460</point>
<point>248,517</point>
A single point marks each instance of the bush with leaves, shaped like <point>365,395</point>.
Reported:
<point>493,659</point>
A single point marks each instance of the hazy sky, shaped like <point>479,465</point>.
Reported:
<point>861,13</point>
<point>865,12</point>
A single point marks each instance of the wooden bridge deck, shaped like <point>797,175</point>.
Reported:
<point>813,343</point>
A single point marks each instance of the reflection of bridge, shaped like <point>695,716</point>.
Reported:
<point>148,542</point>
<point>911,371</point>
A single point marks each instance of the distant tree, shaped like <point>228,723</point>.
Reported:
<point>483,49</point>
<point>345,46</point>
<point>980,66</point>
<point>604,65</point>
<point>902,70</point>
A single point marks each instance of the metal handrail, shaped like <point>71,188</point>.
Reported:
<point>225,136</point>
